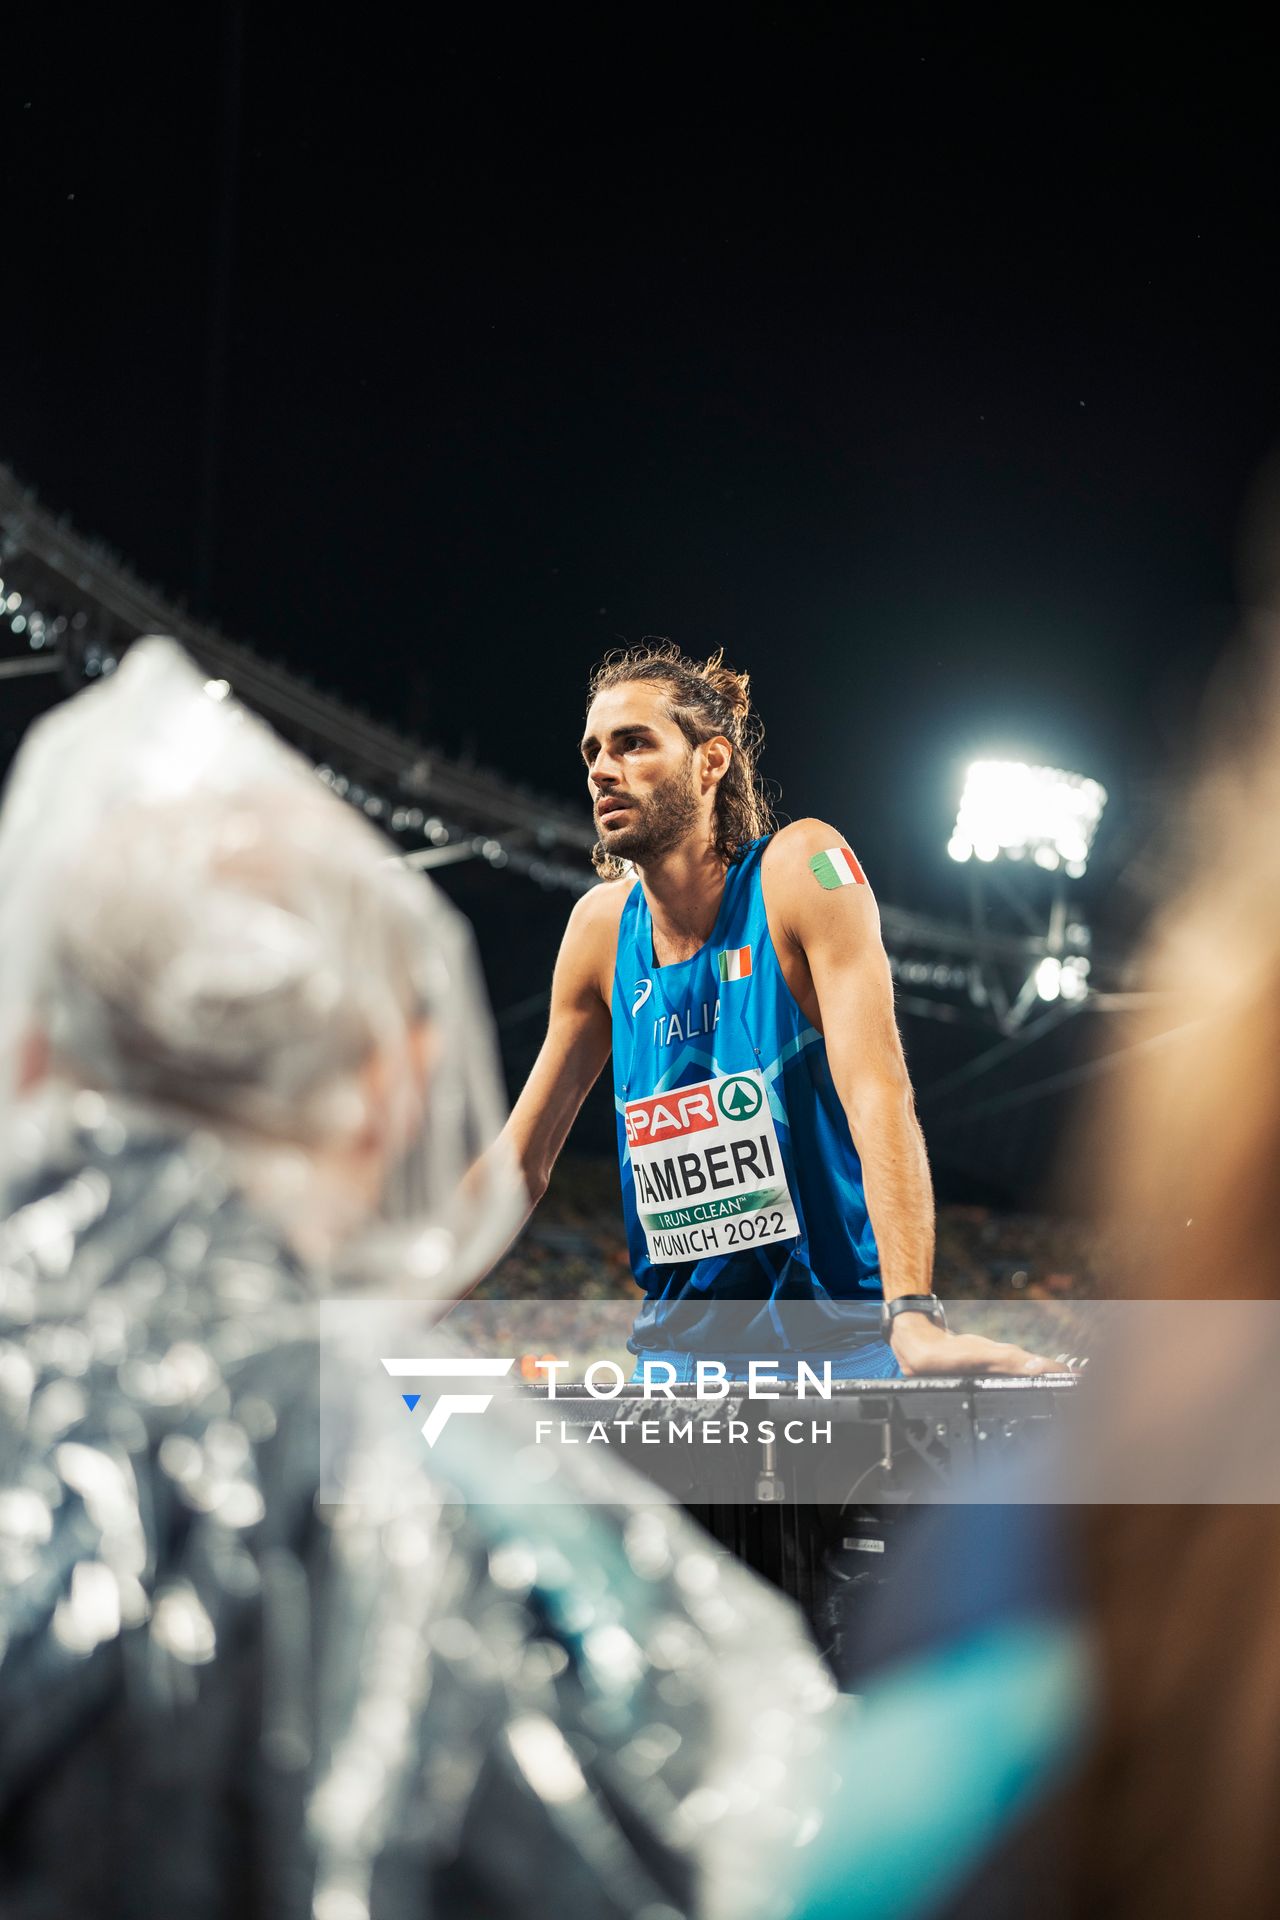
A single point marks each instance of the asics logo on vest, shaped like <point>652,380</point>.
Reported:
<point>643,989</point>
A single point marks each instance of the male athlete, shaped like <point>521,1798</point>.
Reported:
<point>774,1178</point>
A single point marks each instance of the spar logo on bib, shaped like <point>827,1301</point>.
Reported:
<point>739,1098</point>
<point>669,1115</point>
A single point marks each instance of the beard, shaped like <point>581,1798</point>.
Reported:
<point>654,826</point>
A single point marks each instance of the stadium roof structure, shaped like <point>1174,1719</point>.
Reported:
<point>989,1068</point>
<point>78,607</point>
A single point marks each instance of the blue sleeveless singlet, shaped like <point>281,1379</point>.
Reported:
<point>740,1181</point>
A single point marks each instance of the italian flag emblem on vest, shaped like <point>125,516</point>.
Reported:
<point>735,964</point>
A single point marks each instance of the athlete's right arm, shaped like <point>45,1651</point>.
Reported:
<point>579,1037</point>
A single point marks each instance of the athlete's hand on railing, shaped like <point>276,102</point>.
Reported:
<point>920,1345</point>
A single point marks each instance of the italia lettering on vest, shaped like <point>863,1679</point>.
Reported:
<point>697,1020</point>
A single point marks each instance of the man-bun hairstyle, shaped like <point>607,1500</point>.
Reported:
<point>705,698</point>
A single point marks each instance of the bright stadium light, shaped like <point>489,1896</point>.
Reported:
<point>1073,981</point>
<point>1048,978</point>
<point>1037,813</point>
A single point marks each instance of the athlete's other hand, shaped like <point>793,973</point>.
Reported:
<point>920,1345</point>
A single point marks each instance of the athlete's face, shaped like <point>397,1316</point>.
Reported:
<point>641,774</point>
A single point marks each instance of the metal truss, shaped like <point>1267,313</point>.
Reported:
<point>78,607</point>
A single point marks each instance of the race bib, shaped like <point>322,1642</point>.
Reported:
<point>708,1174</point>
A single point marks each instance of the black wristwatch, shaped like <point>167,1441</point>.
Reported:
<point>925,1303</point>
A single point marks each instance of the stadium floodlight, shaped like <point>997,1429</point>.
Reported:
<point>1037,813</point>
<point>1062,979</point>
<point>1048,977</point>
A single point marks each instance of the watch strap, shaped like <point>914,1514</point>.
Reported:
<point>926,1303</point>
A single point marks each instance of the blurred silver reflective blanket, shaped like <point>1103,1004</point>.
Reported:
<point>243,1055</point>
<point>187,916</point>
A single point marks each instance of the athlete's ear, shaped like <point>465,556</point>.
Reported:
<point>716,753</point>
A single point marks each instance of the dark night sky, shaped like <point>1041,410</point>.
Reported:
<point>921,358</point>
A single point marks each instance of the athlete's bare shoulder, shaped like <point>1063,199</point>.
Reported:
<point>792,848</point>
<point>601,906</point>
<point>590,944</point>
<point>804,865</point>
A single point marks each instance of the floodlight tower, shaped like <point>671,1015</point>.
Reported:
<point>1024,832</point>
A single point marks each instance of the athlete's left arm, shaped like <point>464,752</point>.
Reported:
<point>826,926</point>
<point>829,922</point>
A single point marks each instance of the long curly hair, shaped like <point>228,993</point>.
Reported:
<point>705,698</point>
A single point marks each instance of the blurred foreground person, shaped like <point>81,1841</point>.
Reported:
<point>244,1060</point>
<point>1174,1808</point>
<point>1088,1703</point>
